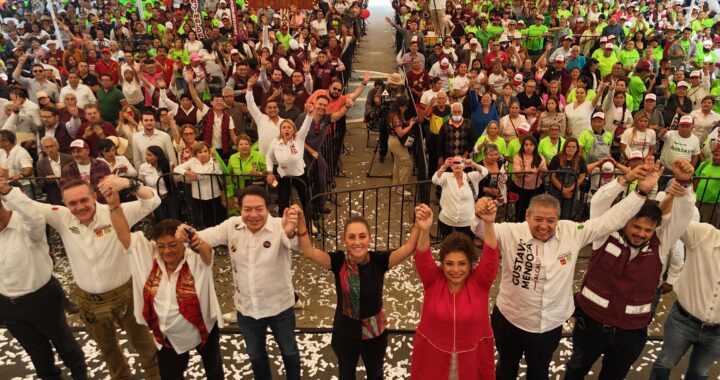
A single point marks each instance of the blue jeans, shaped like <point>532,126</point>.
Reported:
<point>283,330</point>
<point>681,333</point>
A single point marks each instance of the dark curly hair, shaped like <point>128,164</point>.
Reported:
<point>458,242</point>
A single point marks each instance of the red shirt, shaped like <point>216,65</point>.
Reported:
<point>111,69</point>
<point>457,322</point>
<point>492,56</point>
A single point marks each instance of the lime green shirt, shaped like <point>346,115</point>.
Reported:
<point>495,30</point>
<point>236,166</point>
<point>707,191</point>
<point>549,150</point>
<point>628,58</point>
<point>571,96</point>
<point>605,64</point>
<point>535,39</point>
<point>636,89</point>
<point>587,138</point>
<point>500,142</point>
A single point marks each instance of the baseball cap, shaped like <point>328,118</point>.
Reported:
<point>598,115</point>
<point>652,97</point>
<point>608,167</point>
<point>568,38</point>
<point>525,127</point>
<point>79,144</point>
<point>609,45</point>
<point>695,74</point>
<point>603,40</point>
<point>518,79</point>
<point>234,51</point>
<point>195,57</point>
<point>559,58</point>
<point>444,62</point>
<point>687,119</point>
<point>42,94</point>
<point>683,84</point>
<point>105,50</point>
<point>642,66</point>
<point>707,43</point>
<point>473,41</point>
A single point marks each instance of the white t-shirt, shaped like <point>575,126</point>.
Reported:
<point>320,26</point>
<point>84,172</point>
<point>677,146</point>
<point>428,96</point>
<point>641,143</point>
<point>497,82</point>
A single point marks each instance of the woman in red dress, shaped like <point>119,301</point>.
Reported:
<point>454,339</point>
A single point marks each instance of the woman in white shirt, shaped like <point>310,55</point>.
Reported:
<point>155,172</point>
<point>287,151</point>
<point>118,164</point>
<point>510,122</point>
<point>578,113</point>
<point>639,138</point>
<point>132,87</point>
<point>459,192</point>
<point>208,197</point>
<point>192,45</point>
<point>174,293</point>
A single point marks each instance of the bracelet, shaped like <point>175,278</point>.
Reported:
<point>684,182</point>
<point>641,192</point>
<point>301,234</point>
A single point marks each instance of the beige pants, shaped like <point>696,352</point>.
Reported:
<point>102,314</point>
<point>440,26</point>
<point>402,163</point>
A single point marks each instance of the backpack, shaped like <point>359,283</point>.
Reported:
<point>599,149</point>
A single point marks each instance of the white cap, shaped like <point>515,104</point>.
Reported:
<point>518,78</point>
<point>651,97</point>
<point>707,43</point>
<point>682,83</point>
<point>603,39</point>
<point>609,45</point>
<point>696,74</point>
<point>525,127</point>
<point>687,119</point>
<point>168,25</point>
<point>598,115</point>
<point>608,167</point>
<point>473,41</point>
<point>445,62</point>
<point>294,45</point>
<point>234,51</point>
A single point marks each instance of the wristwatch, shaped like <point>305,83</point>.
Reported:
<point>134,185</point>
<point>641,192</point>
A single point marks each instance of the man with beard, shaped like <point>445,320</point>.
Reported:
<point>630,261</point>
<point>322,120</point>
<point>51,126</point>
<point>84,167</point>
<point>101,268</point>
<point>538,264</point>
<point>95,129</point>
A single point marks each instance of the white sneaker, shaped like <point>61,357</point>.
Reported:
<point>230,317</point>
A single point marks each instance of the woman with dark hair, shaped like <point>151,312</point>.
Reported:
<point>174,293</point>
<point>569,170</point>
<point>208,196</point>
<point>156,173</point>
<point>454,339</point>
<point>530,163</point>
<point>402,136</point>
<point>591,74</point>
<point>360,323</point>
<point>118,163</point>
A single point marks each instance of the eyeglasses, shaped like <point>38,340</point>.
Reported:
<point>37,71</point>
<point>334,89</point>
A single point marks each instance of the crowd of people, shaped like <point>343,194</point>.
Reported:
<point>110,115</point>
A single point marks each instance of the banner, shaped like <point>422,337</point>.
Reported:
<point>55,25</point>
<point>197,19</point>
<point>141,11</point>
<point>282,4</point>
<point>236,23</point>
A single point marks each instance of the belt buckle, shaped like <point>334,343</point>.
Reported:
<point>709,326</point>
<point>606,328</point>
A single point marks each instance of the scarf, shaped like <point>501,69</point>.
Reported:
<point>187,300</point>
<point>224,128</point>
<point>349,276</point>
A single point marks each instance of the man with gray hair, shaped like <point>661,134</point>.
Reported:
<point>18,161</point>
<point>456,137</point>
<point>50,167</point>
<point>538,265</point>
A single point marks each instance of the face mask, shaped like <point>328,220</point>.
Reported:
<point>457,118</point>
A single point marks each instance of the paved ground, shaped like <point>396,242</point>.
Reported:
<point>403,293</point>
